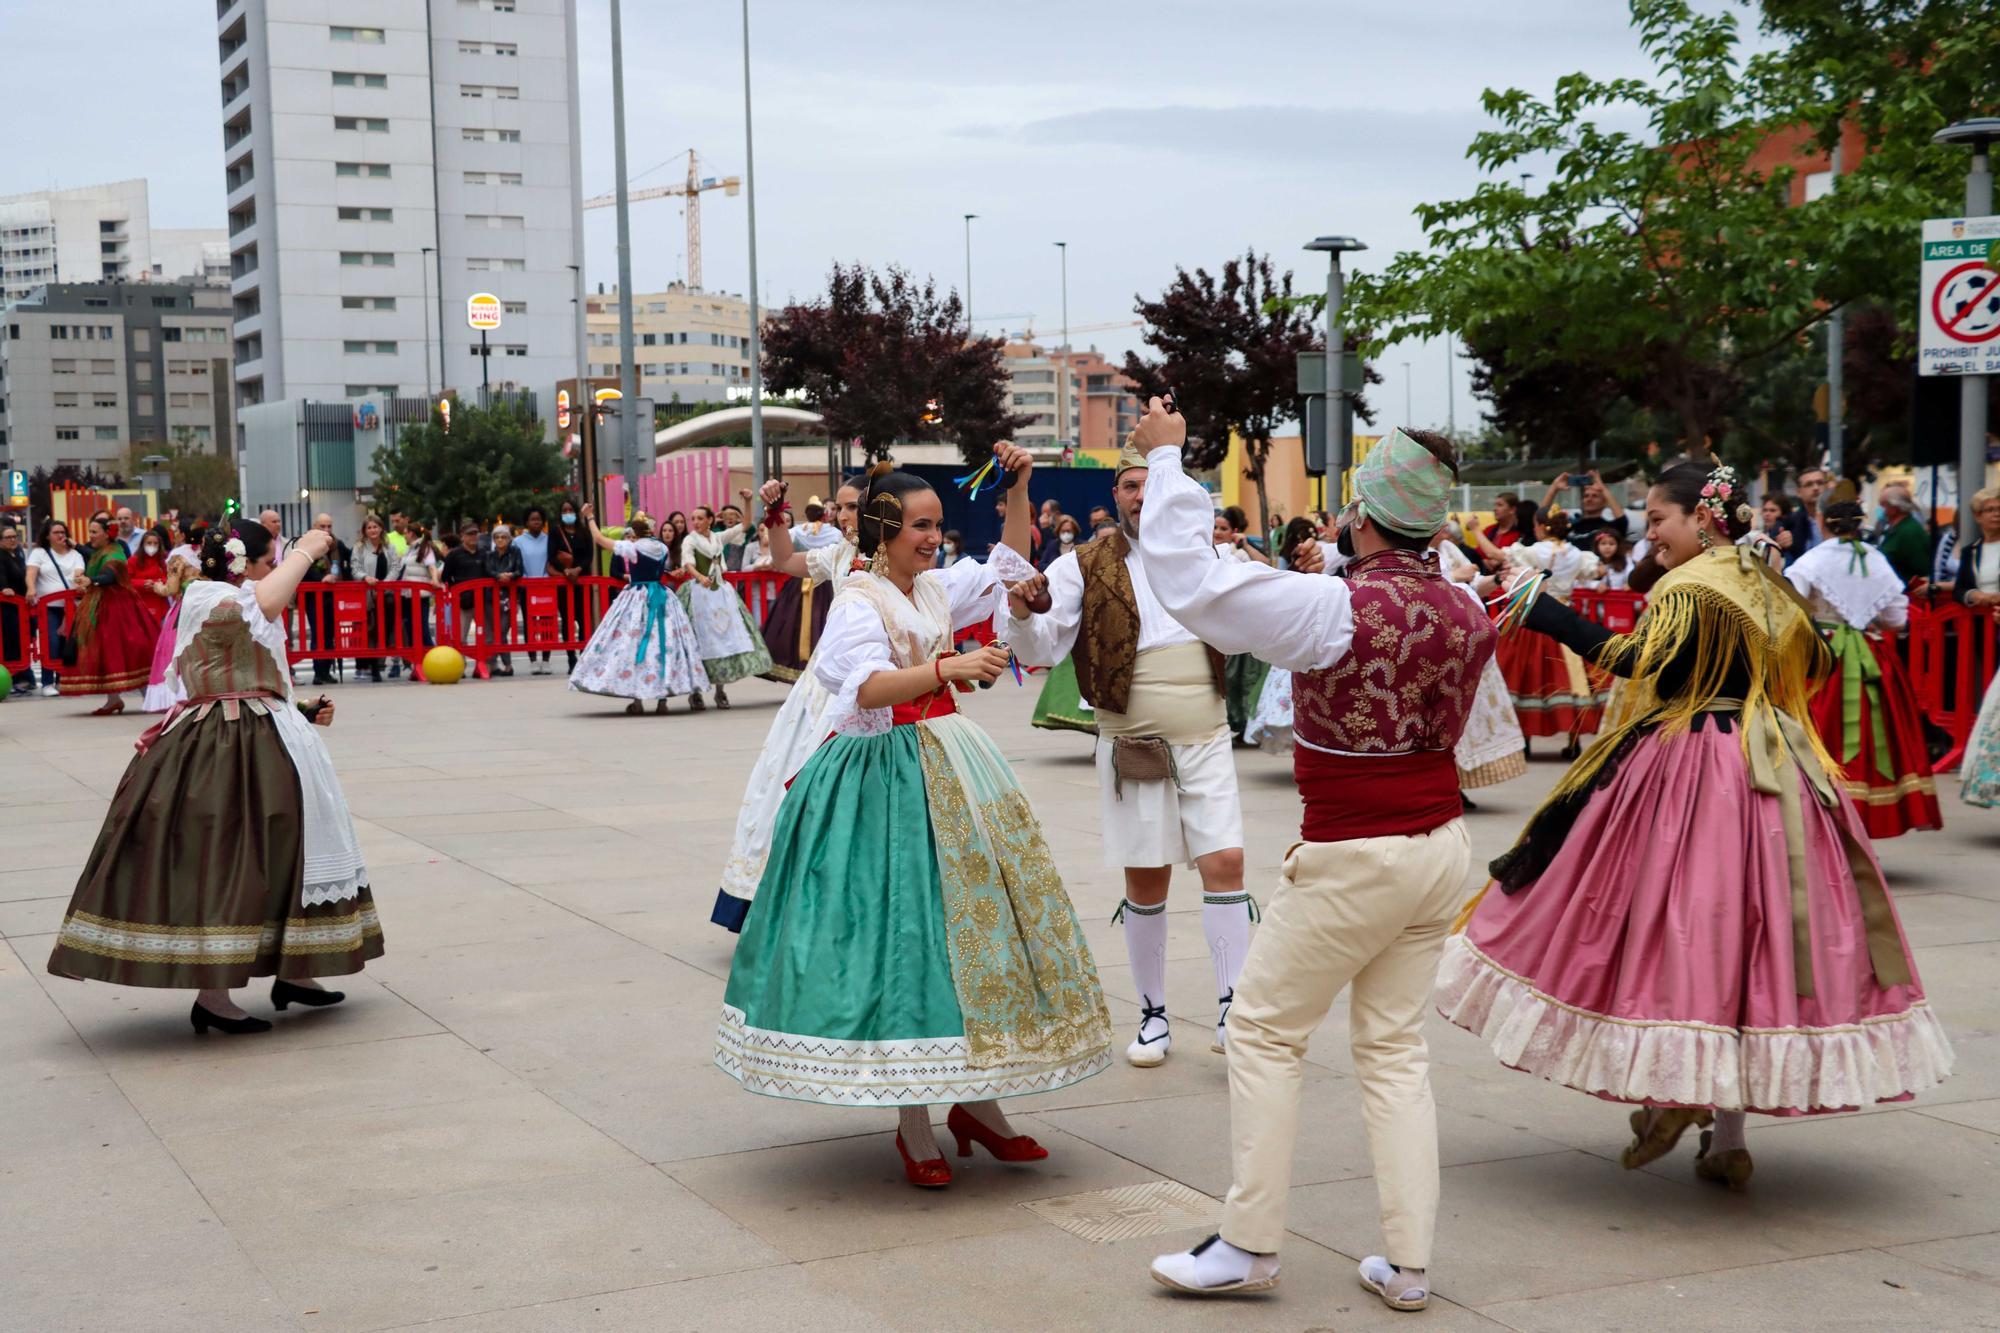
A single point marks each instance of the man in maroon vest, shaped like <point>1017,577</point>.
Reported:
<point>1385,661</point>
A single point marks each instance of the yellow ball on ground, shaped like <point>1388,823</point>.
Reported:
<point>444,666</point>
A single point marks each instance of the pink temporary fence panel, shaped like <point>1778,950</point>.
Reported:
<point>694,477</point>
<point>614,502</point>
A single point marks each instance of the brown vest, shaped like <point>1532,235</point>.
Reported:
<point>1107,640</point>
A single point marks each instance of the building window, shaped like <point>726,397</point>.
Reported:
<point>362,347</point>
<point>367,124</point>
<point>479,265</point>
<point>367,303</point>
<point>143,404</point>
<point>496,221</point>
<point>507,94</point>
<point>103,367</point>
<point>471,90</point>
<point>104,400</point>
<point>66,400</point>
<point>176,400</point>
<point>516,349</point>
<point>97,300</point>
<point>367,259</point>
<point>514,307</point>
<point>371,390</point>
<point>142,371</point>
<point>347,78</point>
<point>68,433</point>
<point>164,303</point>
<point>366,214</point>
<point>170,334</point>
<point>64,366</point>
<point>367,36</point>
<point>376,170</point>
<point>106,432</point>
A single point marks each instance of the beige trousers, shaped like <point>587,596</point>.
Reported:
<point>1372,912</point>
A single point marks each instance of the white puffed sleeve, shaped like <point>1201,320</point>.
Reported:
<point>853,646</point>
<point>1046,639</point>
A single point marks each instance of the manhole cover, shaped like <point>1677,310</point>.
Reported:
<point>1133,1210</point>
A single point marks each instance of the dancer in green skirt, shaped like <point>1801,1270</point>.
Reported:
<point>910,942</point>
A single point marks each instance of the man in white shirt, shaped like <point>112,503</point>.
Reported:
<point>1166,776</point>
<point>1386,662</point>
<point>129,531</point>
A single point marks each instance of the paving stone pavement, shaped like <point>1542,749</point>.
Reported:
<point>513,1124</point>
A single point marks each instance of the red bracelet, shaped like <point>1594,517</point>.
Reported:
<point>938,667</point>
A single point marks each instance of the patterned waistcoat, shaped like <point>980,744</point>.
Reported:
<point>1409,680</point>
<point>1107,640</point>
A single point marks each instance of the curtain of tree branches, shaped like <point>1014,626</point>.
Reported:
<point>886,359</point>
<point>1672,263</point>
<point>1229,348</point>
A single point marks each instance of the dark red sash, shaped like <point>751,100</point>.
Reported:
<point>1380,796</point>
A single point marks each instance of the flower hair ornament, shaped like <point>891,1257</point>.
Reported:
<point>239,556</point>
<point>1722,496</point>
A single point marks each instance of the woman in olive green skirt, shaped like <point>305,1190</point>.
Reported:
<point>228,852</point>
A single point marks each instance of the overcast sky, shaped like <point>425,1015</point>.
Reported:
<point>1144,135</point>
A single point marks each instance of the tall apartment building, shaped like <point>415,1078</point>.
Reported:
<point>384,161</point>
<point>191,252</point>
<point>89,369</point>
<point>81,235</point>
<point>1108,411</point>
<point>1034,376</point>
<point>690,346</point>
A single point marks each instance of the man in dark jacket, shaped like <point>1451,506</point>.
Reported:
<point>504,566</point>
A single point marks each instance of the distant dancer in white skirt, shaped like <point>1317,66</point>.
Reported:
<point>644,647</point>
<point>800,726</point>
<point>731,645</point>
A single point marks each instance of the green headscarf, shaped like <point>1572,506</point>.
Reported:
<point>1403,486</point>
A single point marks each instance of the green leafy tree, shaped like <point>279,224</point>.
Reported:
<point>489,464</point>
<point>202,481</point>
<point>1672,260</point>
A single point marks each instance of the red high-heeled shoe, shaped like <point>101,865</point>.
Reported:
<point>966,1128</point>
<point>931,1174</point>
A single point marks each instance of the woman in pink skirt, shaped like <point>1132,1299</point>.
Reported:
<point>1695,920</point>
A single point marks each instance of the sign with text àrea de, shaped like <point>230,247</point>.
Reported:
<point>482,310</point>
<point>1958,308</point>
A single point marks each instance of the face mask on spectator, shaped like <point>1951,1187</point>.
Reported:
<point>152,548</point>
<point>569,518</point>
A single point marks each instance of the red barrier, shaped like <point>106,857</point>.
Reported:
<point>17,636</point>
<point>328,622</point>
<point>48,643</point>
<point>1616,611</point>
<point>1952,660</point>
<point>484,618</point>
<point>758,588</point>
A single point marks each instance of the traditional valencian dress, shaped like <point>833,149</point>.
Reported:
<point>727,638</point>
<point>113,629</point>
<point>1979,774</point>
<point>1552,690</point>
<point>798,613</point>
<point>911,942</point>
<point>1696,916</point>
<point>1061,705</point>
<point>795,733</point>
<point>1866,713</point>
<point>644,647</point>
<point>228,852</point>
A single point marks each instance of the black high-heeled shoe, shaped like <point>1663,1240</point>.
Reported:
<point>203,1020</point>
<point>284,993</point>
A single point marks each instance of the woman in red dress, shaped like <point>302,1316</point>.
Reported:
<point>116,624</point>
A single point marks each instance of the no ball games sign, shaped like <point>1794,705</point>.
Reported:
<point>1958,310</point>
<point>482,311</point>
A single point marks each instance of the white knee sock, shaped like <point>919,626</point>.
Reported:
<point>914,1122</point>
<point>1225,918</point>
<point>1729,1131</point>
<point>1146,946</point>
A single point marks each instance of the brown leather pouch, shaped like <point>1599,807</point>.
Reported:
<point>1140,759</point>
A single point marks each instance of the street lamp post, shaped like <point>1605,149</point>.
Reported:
<point>1062,396</point>
<point>628,368</point>
<point>1450,390</point>
<point>580,404</point>
<point>1339,423</point>
<point>1977,134</point>
<point>759,465</point>
<point>968,273</point>
<point>425,265</point>
<point>1409,411</point>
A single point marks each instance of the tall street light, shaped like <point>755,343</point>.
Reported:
<point>628,368</point>
<point>759,465</point>
<point>425,265</point>
<point>1978,135</point>
<point>1062,397</point>
<point>968,273</point>
<point>1339,415</point>
<point>1409,411</point>
<point>579,407</point>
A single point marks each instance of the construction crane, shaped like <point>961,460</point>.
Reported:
<point>691,191</point>
<point>1028,334</point>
